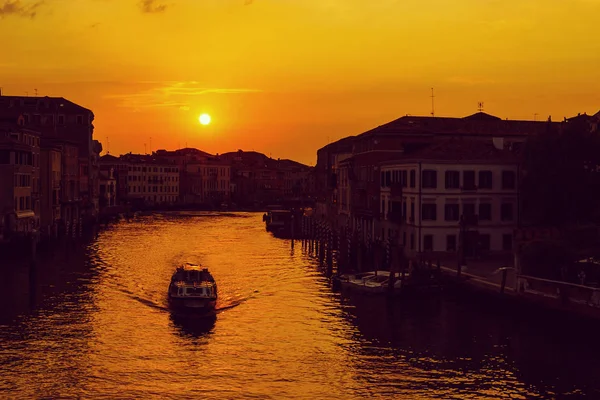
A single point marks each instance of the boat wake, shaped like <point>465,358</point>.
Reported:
<point>227,304</point>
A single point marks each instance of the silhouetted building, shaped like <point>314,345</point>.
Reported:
<point>425,195</point>
<point>361,156</point>
<point>50,179</point>
<point>19,178</point>
<point>56,118</point>
<point>207,181</point>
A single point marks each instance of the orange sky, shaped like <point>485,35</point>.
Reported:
<point>285,76</point>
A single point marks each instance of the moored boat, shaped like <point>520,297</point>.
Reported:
<point>378,282</point>
<point>369,282</point>
<point>193,288</point>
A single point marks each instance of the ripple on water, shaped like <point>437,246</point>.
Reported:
<point>94,323</point>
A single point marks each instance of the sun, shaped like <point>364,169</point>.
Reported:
<point>204,119</point>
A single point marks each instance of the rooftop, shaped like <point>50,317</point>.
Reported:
<point>462,150</point>
<point>35,103</point>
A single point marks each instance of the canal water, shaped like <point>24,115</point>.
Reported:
<point>91,321</point>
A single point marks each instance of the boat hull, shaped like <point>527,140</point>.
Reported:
<point>192,304</point>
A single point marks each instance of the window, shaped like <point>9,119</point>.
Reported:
<point>506,212</point>
<point>508,180</point>
<point>485,212</point>
<point>382,206</point>
<point>451,243</point>
<point>469,209</point>
<point>429,179</point>
<point>429,212</point>
<point>485,179</point>
<point>61,119</point>
<point>412,178</point>
<point>451,212</point>
<point>469,180</point>
<point>404,210</point>
<point>428,242</point>
<point>452,179</point>
<point>412,241</point>
<point>404,178</point>
<point>382,178</point>
<point>412,210</point>
<point>507,241</point>
<point>484,242</point>
<point>79,120</point>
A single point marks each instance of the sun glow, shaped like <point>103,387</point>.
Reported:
<point>204,119</point>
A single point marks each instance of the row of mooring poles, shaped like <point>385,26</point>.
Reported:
<point>341,249</point>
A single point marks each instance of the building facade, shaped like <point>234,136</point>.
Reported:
<point>50,178</point>
<point>19,179</point>
<point>108,190</point>
<point>152,181</point>
<point>208,182</point>
<point>448,194</point>
<point>59,119</point>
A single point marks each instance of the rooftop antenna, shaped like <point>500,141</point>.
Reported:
<point>535,116</point>
<point>145,152</point>
<point>35,90</point>
<point>432,104</point>
<point>27,94</point>
<point>0,91</point>
<point>107,146</point>
<point>480,106</point>
<point>150,144</point>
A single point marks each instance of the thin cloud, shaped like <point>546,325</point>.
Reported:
<point>19,8</point>
<point>152,6</point>
<point>172,94</point>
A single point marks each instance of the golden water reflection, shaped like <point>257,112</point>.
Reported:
<point>94,323</point>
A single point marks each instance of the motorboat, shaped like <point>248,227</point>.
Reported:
<point>370,282</point>
<point>378,282</point>
<point>192,288</point>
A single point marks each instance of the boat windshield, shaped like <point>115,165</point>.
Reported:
<point>193,276</point>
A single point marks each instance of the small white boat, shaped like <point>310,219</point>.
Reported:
<point>193,288</point>
<point>370,282</point>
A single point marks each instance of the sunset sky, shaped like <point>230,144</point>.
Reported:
<point>284,77</point>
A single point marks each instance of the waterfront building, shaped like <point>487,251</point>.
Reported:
<point>50,179</point>
<point>207,181</point>
<point>151,180</point>
<point>119,169</point>
<point>425,196</point>
<point>348,170</point>
<point>181,158</point>
<point>57,118</point>
<point>19,178</point>
<point>108,190</point>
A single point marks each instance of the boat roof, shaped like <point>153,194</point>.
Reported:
<point>193,267</point>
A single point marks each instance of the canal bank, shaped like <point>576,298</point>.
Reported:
<point>339,250</point>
